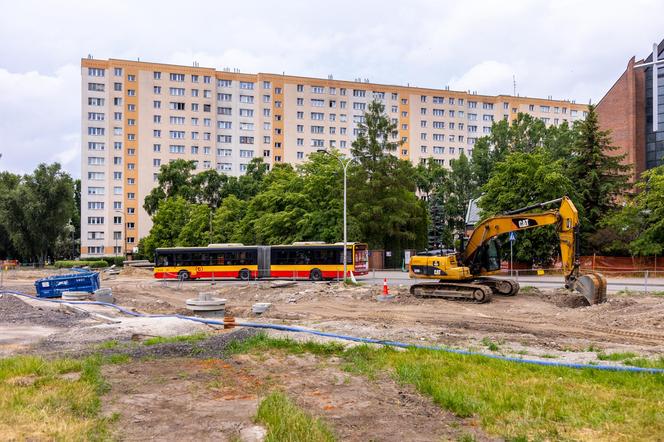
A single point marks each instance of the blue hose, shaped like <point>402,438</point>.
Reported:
<point>350,338</point>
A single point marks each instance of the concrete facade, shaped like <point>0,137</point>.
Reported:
<point>138,116</point>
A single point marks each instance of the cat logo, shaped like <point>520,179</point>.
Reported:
<point>524,223</point>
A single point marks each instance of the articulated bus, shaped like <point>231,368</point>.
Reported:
<point>311,260</point>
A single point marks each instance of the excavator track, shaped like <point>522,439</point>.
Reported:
<point>499,286</point>
<point>477,293</point>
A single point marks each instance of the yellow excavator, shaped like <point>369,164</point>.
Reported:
<point>467,275</point>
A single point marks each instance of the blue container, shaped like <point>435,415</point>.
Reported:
<point>53,286</point>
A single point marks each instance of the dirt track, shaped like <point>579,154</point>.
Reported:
<point>535,323</point>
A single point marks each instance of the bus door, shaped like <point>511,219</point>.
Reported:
<point>263,261</point>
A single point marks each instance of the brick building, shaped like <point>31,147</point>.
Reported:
<point>627,110</point>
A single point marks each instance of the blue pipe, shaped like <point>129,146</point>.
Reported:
<point>351,338</point>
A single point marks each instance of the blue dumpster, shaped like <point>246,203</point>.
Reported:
<point>53,286</point>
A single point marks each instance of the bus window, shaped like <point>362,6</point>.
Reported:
<point>164,260</point>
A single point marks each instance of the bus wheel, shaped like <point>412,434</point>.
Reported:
<point>316,275</point>
<point>244,275</point>
<point>183,275</point>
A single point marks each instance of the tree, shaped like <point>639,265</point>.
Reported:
<point>173,215</point>
<point>37,210</point>
<point>8,183</point>
<point>640,223</point>
<point>522,179</point>
<point>227,220</point>
<point>174,180</point>
<point>382,196</point>
<point>601,178</point>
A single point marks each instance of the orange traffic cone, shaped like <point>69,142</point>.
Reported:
<point>386,290</point>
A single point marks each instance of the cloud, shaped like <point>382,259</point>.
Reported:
<point>40,119</point>
<point>563,48</point>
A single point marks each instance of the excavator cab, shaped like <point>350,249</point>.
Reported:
<point>487,259</point>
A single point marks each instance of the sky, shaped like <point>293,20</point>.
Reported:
<point>567,49</point>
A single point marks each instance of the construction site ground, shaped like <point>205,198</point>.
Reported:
<point>545,324</point>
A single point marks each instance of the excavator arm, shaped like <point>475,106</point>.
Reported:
<point>566,219</point>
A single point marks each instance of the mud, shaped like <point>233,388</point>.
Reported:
<point>216,399</point>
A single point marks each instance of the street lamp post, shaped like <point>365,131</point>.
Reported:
<point>344,167</point>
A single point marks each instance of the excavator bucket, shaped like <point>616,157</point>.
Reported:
<point>592,286</point>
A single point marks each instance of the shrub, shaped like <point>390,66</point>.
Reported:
<point>69,264</point>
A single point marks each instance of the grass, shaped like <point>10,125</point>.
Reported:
<point>514,401</point>
<point>645,363</point>
<point>616,356</point>
<point>37,402</point>
<point>488,343</point>
<point>189,339</point>
<point>286,422</point>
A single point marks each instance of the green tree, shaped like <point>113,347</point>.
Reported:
<point>382,196</point>
<point>520,180</point>
<point>173,215</point>
<point>37,211</point>
<point>174,180</point>
<point>640,223</point>
<point>227,220</point>
<point>8,183</point>
<point>600,177</point>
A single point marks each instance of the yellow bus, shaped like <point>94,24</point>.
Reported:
<point>301,260</point>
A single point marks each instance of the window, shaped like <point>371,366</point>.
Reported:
<point>224,124</point>
<point>317,103</point>
<point>486,117</point>
<point>95,146</point>
<point>249,99</point>
<point>92,101</point>
<point>300,101</point>
<point>488,106</point>
<point>194,92</point>
<point>131,77</point>
<point>300,141</point>
<point>317,143</point>
<point>266,85</point>
<point>300,88</point>
<point>207,79</point>
<point>176,148</point>
<point>247,112</point>
<point>246,140</point>
<point>177,120</point>
<point>531,107</point>
<point>224,139</point>
<point>177,77</point>
<point>96,131</point>
<point>131,92</point>
<point>156,133</point>
<point>156,162</point>
<point>95,116</point>
<point>96,87</point>
<point>300,128</point>
<point>359,93</point>
<point>317,129</point>
<point>246,153</point>
<point>423,149</point>
<point>95,205</point>
<point>224,83</point>
<point>438,112</point>
<point>131,196</point>
<point>544,109</point>
<point>117,72</point>
<point>95,220</point>
<point>179,91</point>
<point>224,152</point>
<point>246,85</point>
<point>300,155</point>
<point>439,125</point>
<point>117,145</point>
<point>317,116</point>
<point>359,106</point>
<point>96,161</point>
<point>246,126</point>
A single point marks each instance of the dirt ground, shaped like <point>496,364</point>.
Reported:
<point>170,392</point>
<point>215,399</point>
<point>549,323</point>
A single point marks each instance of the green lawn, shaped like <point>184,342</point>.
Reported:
<point>515,401</point>
<point>286,422</point>
<point>51,400</point>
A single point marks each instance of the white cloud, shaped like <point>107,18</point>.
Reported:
<point>40,119</point>
<point>563,48</point>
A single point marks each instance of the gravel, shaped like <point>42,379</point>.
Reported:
<point>15,311</point>
<point>213,347</point>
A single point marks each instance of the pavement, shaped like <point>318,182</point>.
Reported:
<point>614,284</point>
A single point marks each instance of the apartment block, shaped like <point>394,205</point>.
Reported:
<point>137,116</point>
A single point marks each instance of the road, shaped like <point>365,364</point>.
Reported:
<point>548,281</point>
